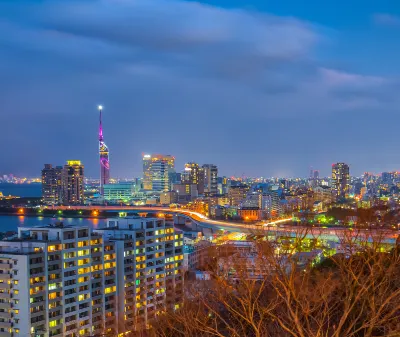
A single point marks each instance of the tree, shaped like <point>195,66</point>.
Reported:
<point>353,294</point>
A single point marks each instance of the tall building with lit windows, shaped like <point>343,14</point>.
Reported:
<point>194,174</point>
<point>51,184</point>
<point>72,178</point>
<point>150,259</point>
<point>157,169</point>
<point>69,281</point>
<point>210,179</point>
<point>340,180</point>
<point>58,281</point>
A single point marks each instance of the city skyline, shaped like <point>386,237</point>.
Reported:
<point>317,90</point>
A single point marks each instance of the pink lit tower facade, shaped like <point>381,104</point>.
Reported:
<point>104,157</point>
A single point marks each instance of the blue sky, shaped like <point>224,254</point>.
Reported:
<point>261,88</point>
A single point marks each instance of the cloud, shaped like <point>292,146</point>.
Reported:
<point>169,69</point>
<point>385,19</point>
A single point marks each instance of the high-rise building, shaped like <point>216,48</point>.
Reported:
<point>149,269</point>
<point>104,157</point>
<point>73,281</point>
<point>194,174</point>
<point>51,184</point>
<point>237,194</point>
<point>210,179</point>
<point>72,183</point>
<point>58,281</point>
<point>340,179</point>
<point>157,169</point>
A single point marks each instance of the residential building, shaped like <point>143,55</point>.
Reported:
<point>72,183</point>
<point>68,281</point>
<point>237,194</point>
<point>58,281</point>
<point>51,185</point>
<point>150,258</point>
<point>194,174</point>
<point>210,179</point>
<point>340,179</point>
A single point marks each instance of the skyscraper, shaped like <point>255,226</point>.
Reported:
<point>340,179</point>
<point>104,156</point>
<point>210,179</point>
<point>194,174</point>
<point>72,183</point>
<point>157,169</point>
<point>51,184</point>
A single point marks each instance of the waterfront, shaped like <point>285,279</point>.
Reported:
<point>12,222</point>
<point>22,190</point>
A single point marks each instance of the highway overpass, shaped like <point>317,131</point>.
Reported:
<point>279,227</point>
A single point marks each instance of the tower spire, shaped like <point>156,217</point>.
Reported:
<point>104,155</point>
<point>100,107</point>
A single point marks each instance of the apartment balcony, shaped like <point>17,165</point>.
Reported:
<point>5,285</point>
<point>6,296</point>
<point>5,325</point>
<point>5,277</point>
<point>57,335</point>
<point>5,334</point>
<point>5,306</point>
<point>5,315</point>
<point>5,266</point>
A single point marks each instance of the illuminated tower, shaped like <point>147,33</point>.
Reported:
<point>104,157</point>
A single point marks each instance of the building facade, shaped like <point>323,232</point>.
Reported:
<point>73,183</point>
<point>121,192</point>
<point>237,194</point>
<point>210,179</point>
<point>157,170</point>
<point>194,174</point>
<point>58,281</point>
<point>150,259</point>
<point>68,281</point>
<point>340,180</point>
<point>52,184</point>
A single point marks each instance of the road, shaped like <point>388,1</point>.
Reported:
<point>273,227</point>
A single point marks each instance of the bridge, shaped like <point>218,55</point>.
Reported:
<point>275,227</point>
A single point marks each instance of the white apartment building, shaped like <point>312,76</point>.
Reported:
<point>61,281</point>
<point>72,281</point>
<point>150,256</point>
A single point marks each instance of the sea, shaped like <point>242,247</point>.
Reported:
<point>22,190</point>
<point>11,223</point>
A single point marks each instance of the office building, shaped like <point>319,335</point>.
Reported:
<point>119,192</point>
<point>157,170</point>
<point>186,192</point>
<point>237,194</point>
<point>167,198</point>
<point>68,281</point>
<point>72,183</point>
<point>210,179</point>
<point>51,185</point>
<point>194,174</point>
<point>103,156</point>
<point>340,180</point>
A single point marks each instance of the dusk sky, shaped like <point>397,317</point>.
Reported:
<point>260,88</point>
